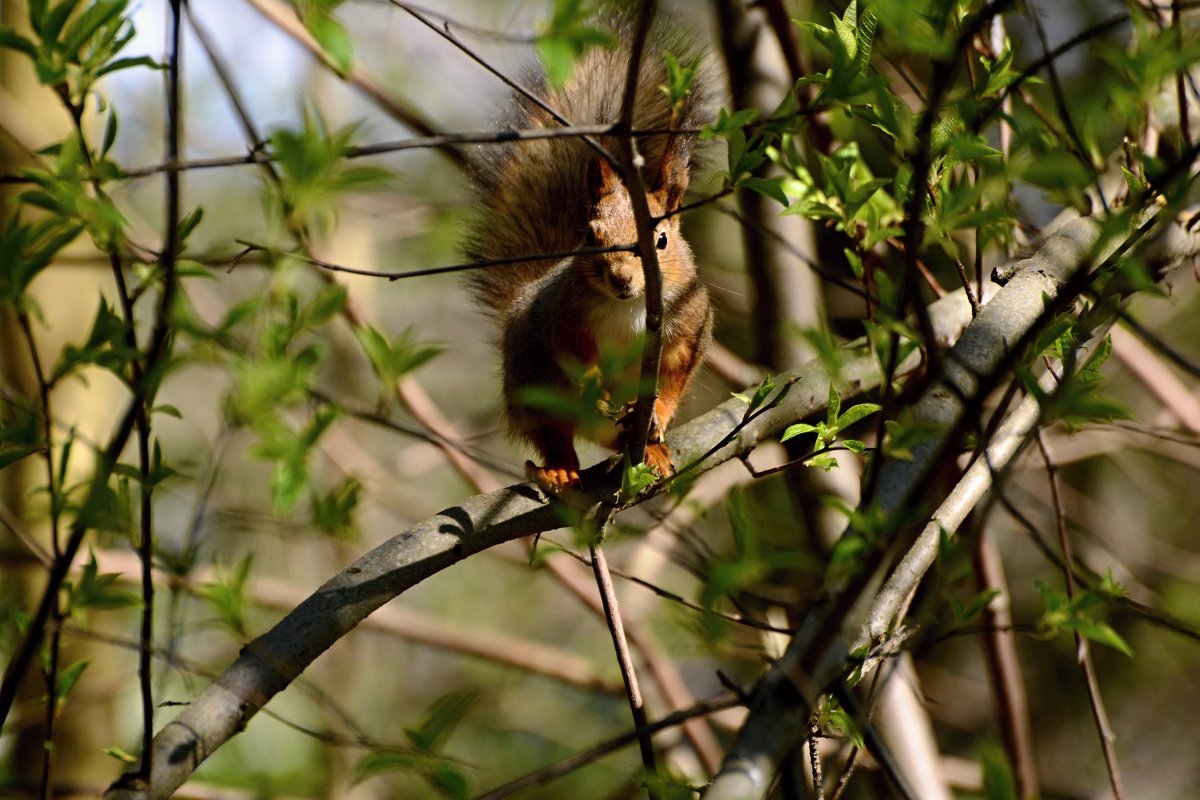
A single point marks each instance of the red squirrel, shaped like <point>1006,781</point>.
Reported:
<point>556,318</point>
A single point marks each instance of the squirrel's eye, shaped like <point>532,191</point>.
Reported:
<point>661,244</point>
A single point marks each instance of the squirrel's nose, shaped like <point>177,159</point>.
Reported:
<point>621,282</point>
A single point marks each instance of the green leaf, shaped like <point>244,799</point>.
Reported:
<point>1100,632</point>
<point>998,781</point>
<point>186,268</point>
<point>679,79</point>
<point>449,780</point>
<point>635,479</point>
<point>334,39</point>
<point>264,385</point>
<point>857,413</point>
<point>974,607</point>
<point>227,595</point>
<point>770,187</point>
<point>96,592</point>
<point>333,512</point>
<point>15,41</point>
<point>396,358</point>
<point>110,133</point>
<point>329,301</point>
<point>189,223</point>
<point>118,64</point>
<point>314,171</point>
<point>26,250</point>
<point>68,677</point>
<point>120,755</point>
<point>727,123</point>
<point>835,405</point>
<point>761,393</point>
<point>798,429</point>
<point>440,721</point>
<point>107,346</point>
<point>94,17</point>
<point>566,36</point>
<point>832,717</point>
<point>383,761</point>
<point>49,22</point>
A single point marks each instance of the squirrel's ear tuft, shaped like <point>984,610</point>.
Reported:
<point>601,179</point>
<point>671,184</point>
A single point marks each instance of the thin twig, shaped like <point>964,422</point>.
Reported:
<point>612,614</point>
<point>1060,100</point>
<point>358,77</point>
<point>737,619</point>
<point>593,754</point>
<point>1083,650</point>
<point>420,273</point>
<point>1181,79</point>
<point>814,756</point>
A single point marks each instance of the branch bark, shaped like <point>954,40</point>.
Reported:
<point>814,660</point>
<point>272,661</point>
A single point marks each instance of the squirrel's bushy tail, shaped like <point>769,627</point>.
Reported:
<point>532,194</point>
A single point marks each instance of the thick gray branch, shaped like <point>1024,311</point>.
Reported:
<point>271,662</point>
<point>783,698</point>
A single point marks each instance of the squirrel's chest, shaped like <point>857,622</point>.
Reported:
<point>617,323</point>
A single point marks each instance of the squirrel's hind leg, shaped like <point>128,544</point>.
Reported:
<point>560,472</point>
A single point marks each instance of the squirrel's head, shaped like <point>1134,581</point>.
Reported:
<point>610,222</point>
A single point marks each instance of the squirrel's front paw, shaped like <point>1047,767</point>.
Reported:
<point>552,480</point>
<point>658,457</point>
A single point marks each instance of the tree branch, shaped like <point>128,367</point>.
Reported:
<point>816,656</point>
<point>271,662</point>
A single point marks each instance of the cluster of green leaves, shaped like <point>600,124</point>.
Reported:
<point>73,45</point>
<point>827,432</point>
<point>315,173</point>
<point>424,755</point>
<point>71,51</point>
<point>272,383</point>
<point>1075,614</point>
<point>331,35</point>
<point>1077,400</point>
<point>598,394</point>
<point>752,559</point>
<point>226,596</point>
<point>566,36</point>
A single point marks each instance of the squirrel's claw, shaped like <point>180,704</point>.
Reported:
<point>552,480</point>
<point>658,457</point>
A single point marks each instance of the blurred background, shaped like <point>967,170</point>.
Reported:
<point>522,668</point>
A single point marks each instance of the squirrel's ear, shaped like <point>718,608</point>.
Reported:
<point>671,184</point>
<point>601,179</point>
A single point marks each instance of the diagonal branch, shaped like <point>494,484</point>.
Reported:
<point>272,661</point>
<point>814,659</point>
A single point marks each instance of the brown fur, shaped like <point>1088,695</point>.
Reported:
<point>552,195</point>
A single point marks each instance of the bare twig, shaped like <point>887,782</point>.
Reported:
<point>359,77</point>
<point>737,619</point>
<point>612,614</point>
<point>408,624</point>
<point>1082,648</point>
<point>573,763</point>
<point>421,273</point>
